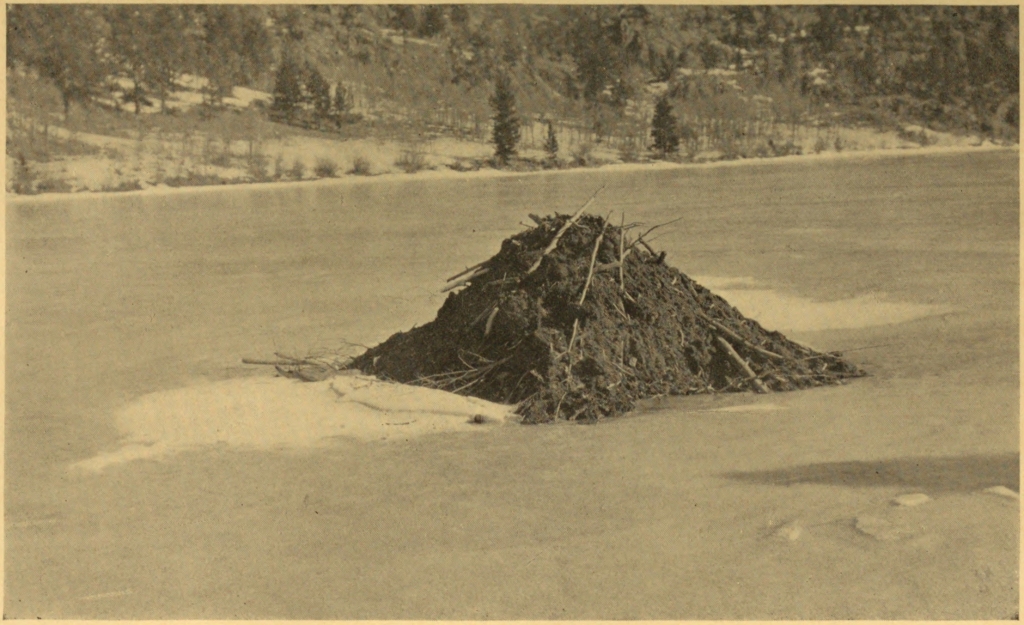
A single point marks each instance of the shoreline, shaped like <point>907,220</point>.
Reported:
<point>439,174</point>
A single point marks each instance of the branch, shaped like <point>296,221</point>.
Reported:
<point>622,252</point>
<point>593,259</point>
<point>743,365</point>
<point>490,321</point>
<point>466,280</point>
<point>466,270</point>
<point>554,242</point>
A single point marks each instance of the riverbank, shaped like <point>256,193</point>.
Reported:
<point>438,167</point>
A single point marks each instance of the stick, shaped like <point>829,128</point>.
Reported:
<point>653,228</point>
<point>575,327</point>
<point>593,259</point>
<point>480,317</point>
<point>554,242</point>
<point>622,252</point>
<point>649,248</point>
<point>466,270</point>
<point>465,280</point>
<point>490,321</point>
<point>734,336</point>
<point>258,361</point>
<point>737,337</point>
<point>743,365</point>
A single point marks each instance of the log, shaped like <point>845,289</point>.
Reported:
<point>743,365</point>
<point>554,242</point>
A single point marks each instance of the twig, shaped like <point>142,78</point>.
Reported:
<point>466,270</point>
<point>743,365</point>
<point>620,308</point>
<point>622,252</point>
<point>655,227</point>
<point>490,321</point>
<point>857,349</point>
<point>649,248</point>
<point>258,361</point>
<point>593,259</point>
<point>554,242</point>
<point>737,337</point>
<point>466,280</point>
<point>575,327</point>
<point>558,406</point>
<point>486,312</point>
<point>640,239</point>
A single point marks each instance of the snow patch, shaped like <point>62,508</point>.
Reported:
<point>279,413</point>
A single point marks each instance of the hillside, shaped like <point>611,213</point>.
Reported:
<point>104,97</point>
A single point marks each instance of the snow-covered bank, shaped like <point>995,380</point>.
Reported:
<point>446,173</point>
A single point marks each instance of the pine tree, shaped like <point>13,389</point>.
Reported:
<point>318,92</point>
<point>287,89</point>
<point>506,120</point>
<point>663,128</point>
<point>64,43</point>
<point>551,144</point>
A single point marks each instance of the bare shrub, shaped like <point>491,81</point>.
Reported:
<point>582,154</point>
<point>411,161</point>
<point>325,167</point>
<point>360,166</point>
<point>298,170</point>
<point>24,177</point>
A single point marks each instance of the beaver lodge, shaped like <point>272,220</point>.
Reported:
<point>577,319</point>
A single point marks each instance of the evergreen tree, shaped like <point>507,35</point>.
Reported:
<point>64,43</point>
<point>318,92</point>
<point>287,88</point>
<point>234,46</point>
<point>169,48</point>
<point>663,128</point>
<point>506,120</point>
<point>551,144</point>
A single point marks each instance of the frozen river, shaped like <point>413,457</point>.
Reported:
<point>776,507</point>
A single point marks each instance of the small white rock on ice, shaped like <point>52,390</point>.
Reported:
<point>790,531</point>
<point>1002,491</point>
<point>911,500</point>
<point>877,528</point>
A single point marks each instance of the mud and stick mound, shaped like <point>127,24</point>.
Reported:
<point>578,319</point>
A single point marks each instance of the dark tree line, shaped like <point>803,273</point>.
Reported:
<point>302,94</point>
